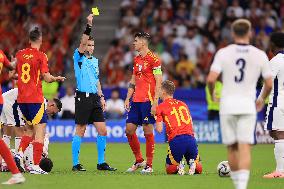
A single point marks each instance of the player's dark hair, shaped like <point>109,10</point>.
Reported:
<point>58,103</point>
<point>35,34</point>
<point>91,38</point>
<point>143,35</point>
<point>169,87</point>
<point>46,164</point>
<point>277,39</point>
<point>241,27</point>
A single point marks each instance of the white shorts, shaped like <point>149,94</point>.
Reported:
<point>274,120</point>
<point>12,115</point>
<point>238,128</point>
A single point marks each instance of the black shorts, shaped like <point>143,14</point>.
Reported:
<point>88,108</point>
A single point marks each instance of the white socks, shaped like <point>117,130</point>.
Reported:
<point>279,155</point>
<point>7,140</point>
<point>17,143</point>
<point>240,178</point>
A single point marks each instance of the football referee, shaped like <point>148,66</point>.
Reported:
<point>89,100</point>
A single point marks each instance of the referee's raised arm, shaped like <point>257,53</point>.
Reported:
<point>86,34</point>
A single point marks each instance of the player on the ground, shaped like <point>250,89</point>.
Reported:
<point>175,114</point>
<point>274,115</point>
<point>4,150</point>
<point>89,101</point>
<point>11,120</point>
<point>32,67</point>
<point>12,117</point>
<point>240,64</point>
<point>145,87</point>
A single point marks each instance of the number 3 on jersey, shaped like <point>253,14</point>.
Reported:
<point>26,68</point>
<point>241,64</point>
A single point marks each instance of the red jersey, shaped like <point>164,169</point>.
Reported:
<point>31,63</point>
<point>176,116</point>
<point>3,62</point>
<point>144,78</point>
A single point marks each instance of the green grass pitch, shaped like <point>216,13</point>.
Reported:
<point>120,156</point>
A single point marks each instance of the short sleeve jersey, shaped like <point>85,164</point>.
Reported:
<point>241,66</point>
<point>176,116</point>
<point>144,77</point>
<point>86,72</point>
<point>31,64</point>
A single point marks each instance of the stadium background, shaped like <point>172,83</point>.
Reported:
<point>185,35</point>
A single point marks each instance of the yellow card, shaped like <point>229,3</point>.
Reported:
<point>95,11</point>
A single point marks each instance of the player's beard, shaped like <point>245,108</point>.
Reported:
<point>87,53</point>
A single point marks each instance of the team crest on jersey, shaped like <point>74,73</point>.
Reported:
<point>1,56</point>
<point>146,119</point>
<point>140,68</point>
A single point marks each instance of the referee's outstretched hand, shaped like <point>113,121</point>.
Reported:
<point>90,19</point>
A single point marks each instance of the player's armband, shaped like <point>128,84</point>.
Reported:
<point>157,70</point>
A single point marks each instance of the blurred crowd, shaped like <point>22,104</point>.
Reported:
<point>186,34</point>
<point>56,18</point>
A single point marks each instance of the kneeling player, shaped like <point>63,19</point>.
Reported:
<point>179,130</point>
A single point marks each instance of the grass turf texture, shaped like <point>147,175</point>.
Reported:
<point>120,156</point>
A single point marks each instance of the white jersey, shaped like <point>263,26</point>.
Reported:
<point>277,67</point>
<point>10,97</point>
<point>11,114</point>
<point>275,109</point>
<point>241,66</point>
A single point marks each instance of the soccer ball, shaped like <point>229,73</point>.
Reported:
<point>223,169</point>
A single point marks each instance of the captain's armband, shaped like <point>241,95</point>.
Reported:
<point>157,70</point>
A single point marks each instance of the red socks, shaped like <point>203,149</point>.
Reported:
<point>150,147</point>
<point>38,147</point>
<point>7,156</point>
<point>25,142</point>
<point>172,169</point>
<point>135,147</point>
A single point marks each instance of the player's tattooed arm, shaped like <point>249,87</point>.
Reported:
<point>86,34</point>
<point>159,127</point>
<point>211,80</point>
<point>130,92</point>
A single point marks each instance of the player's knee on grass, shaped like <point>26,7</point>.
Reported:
<point>198,169</point>
<point>171,169</point>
